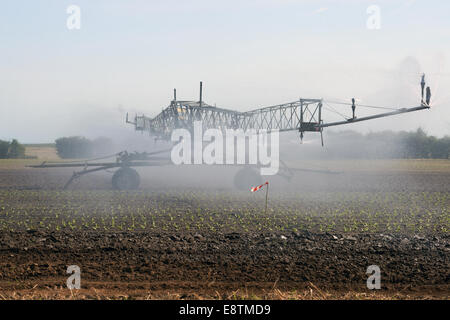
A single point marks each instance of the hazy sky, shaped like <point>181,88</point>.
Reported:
<point>130,54</point>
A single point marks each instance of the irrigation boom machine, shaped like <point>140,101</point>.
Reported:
<point>303,115</point>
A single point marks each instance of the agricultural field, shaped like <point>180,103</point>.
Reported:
<point>41,151</point>
<point>190,234</point>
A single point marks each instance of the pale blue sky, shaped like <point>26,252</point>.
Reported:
<point>129,55</point>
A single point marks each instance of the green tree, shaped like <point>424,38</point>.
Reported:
<point>74,147</point>
<point>16,150</point>
<point>440,148</point>
<point>4,147</point>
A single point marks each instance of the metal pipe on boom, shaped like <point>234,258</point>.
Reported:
<point>201,93</point>
<point>381,115</point>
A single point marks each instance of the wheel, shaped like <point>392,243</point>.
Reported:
<point>126,179</point>
<point>247,178</point>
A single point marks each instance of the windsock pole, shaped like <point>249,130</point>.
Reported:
<point>254,189</point>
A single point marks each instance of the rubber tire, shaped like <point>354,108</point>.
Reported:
<point>126,179</point>
<point>247,178</point>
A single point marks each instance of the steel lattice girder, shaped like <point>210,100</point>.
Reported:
<point>302,115</point>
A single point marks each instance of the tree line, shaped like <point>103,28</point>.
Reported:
<point>346,144</point>
<point>388,145</point>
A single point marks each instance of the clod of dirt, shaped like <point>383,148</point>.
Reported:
<point>404,242</point>
<point>198,236</point>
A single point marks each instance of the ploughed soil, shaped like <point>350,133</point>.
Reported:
<point>221,262</point>
<point>211,264</point>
